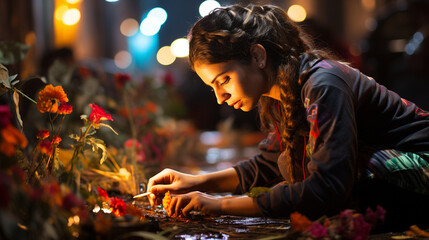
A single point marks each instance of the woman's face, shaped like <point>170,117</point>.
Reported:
<point>239,85</point>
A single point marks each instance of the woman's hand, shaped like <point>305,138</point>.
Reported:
<point>170,180</point>
<point>183,204</point>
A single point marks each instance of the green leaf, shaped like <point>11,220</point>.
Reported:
<point>108,126</point>
<point>4,78</point>
<point>16,101</point>
<point>12,52</point>
<point>98,144</point>
<point>13,80</point>
<point>74,136</point>
<point>254,192</point>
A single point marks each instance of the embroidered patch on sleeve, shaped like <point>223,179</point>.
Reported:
<point>306,102</point>
<point>314,128</point>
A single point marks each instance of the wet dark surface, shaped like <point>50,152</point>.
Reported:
<point>199,226</point>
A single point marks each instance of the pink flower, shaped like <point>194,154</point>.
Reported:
<point>5,116</point>
<point>361,228</point>
<point>317,230</point>
<point>70,201</point>
<point>98,114</point>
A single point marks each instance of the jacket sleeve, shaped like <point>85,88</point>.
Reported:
<point>332,147</point>
<point>262,169</point>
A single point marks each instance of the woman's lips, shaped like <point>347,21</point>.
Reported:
<point>238,104</point>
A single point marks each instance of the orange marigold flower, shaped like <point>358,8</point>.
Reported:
<point>98,114</point>
<point>121,79</point>
<point>42,134</point>
<point>166,200</point>
<point>10,139</point>
<point>64,108</point>
<point>45,147</point>
<point>49,98</point>
<point>299,222</point>
<point>56,140</point>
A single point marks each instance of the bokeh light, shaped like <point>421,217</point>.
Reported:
<point>71,16</point>
<point>73,1</point>
<point>297,13</point>
<point>129,27</point>
<point>123,59</point>
<point>207,6</point>
<point>112,0</point>
<point>164,56</point>
<point>180,47</point>
<point>59,12</point>
<point>150,26</point>
<point>158,13</point>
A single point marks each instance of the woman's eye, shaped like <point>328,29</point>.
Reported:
<point>226,81</point>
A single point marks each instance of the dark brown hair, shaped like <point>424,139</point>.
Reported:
<point>228,33</point>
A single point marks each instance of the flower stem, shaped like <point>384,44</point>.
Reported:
<point>23,94</point>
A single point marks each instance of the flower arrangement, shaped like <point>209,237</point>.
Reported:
<point>346,225</point>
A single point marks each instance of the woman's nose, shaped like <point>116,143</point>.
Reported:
<point>221,96</point>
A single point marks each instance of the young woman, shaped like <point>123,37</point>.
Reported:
<point>338,139</point>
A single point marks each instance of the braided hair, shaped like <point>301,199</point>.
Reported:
<point>228,33</point>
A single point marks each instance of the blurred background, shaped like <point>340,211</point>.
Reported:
<point>82,44</point>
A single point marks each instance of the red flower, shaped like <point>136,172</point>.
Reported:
<point>84,72</point>
<point>45,147</point>
<point>103,194</point>
<point>119,206</point>
<point>5,116</point>
<point>42,134</point>
<point>65,109</point>
<point>121,80</point>
<point>56,140</point>
<point>98,114</point>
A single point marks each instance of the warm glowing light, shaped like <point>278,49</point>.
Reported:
<point>71,16</point>
<point>180,47</point>
<point>164,56</point>
<point>158,13</point>
<point>369,5</point>
<point>59,12</point>
<point>150,26</point>
<point>129,27</point>
<point>73,1</point>
<point>123,59</point>
<point>207,6</point>
<point>297,13</point>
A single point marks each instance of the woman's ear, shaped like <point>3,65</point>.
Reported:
<point>259,55</point>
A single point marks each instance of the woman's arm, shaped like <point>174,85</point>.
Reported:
<point>218,182</point>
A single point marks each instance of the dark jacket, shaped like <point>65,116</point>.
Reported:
<point>347,111</point>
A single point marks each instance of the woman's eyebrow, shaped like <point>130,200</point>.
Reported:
<point>214,79</point>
